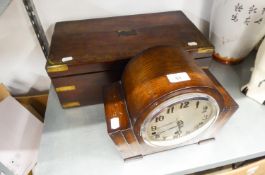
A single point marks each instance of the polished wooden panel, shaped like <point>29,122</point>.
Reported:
<point>124,147</point>
<point>78,69</point>
<point>116,100</point>
<point>103,40</point>
<point>134,144</point>
<point>88,87</point>
<point>151,82</point>
<point>123,136</point>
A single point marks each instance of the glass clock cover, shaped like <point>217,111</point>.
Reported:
<point>179,119</point>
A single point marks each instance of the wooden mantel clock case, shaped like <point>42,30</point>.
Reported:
<point>164,101</point>
<point>86,55</point>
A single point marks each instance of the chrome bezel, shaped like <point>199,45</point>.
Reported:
<point>173,101</point>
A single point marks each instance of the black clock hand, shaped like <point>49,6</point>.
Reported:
<point>167,129</point>
<point>165,125</point>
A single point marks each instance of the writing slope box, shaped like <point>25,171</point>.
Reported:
<point>88,54</point>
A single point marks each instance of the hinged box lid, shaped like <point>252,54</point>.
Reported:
<point>107,43</point>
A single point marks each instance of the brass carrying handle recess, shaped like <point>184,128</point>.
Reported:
<point>128,32</point>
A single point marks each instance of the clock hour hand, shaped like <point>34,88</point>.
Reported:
<point>179,125</point>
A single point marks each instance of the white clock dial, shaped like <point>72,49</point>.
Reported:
<point>179,119</point>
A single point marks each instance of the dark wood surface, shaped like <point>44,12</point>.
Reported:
<point>146,76</point>
<point>88,87</point>
<point>144,85</point>
<point>107,44</point>
<point>104,40</point>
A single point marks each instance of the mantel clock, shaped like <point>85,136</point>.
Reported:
<point>163,101</point>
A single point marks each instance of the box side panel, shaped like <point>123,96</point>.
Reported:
<point>84,89</point>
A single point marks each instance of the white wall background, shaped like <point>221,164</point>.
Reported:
<point>3,5</point>
<point>21,59</point>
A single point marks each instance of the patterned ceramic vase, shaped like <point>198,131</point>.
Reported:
<point>236,26</point>
<point>255,89</point>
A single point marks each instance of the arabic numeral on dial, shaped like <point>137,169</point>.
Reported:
<point>177,134</point>
<point>170,110</point>
<point>153,128</point>
<point>197,104</point>
<point>200,124</point>
<point>157,136</point>
<point>160,118</point>
<point>204,109</point>
<point>184,105</point>
<point>205,117</point>
<point>180,123</point>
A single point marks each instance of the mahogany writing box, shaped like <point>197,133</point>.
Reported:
<point>88,54</point>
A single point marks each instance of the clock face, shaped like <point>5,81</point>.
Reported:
<point>179,119</point>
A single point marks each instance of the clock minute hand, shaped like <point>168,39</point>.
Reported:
<point>166,125</point>
<point>167,129</point>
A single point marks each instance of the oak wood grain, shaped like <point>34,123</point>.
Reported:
<point>107,44</point>
<point>144,85</point>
